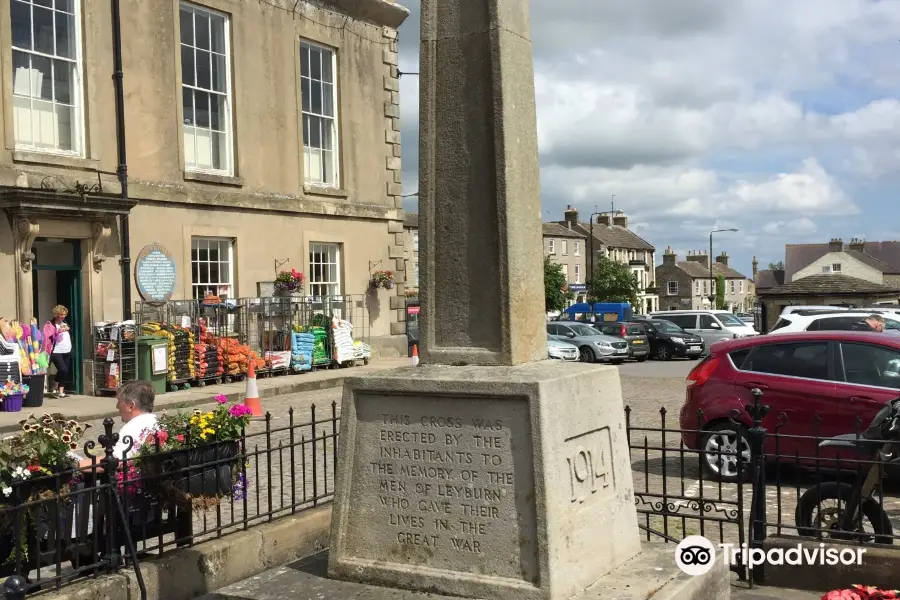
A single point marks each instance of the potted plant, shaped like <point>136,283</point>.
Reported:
<point>382,279</point>
<point>13,394</point>
<point>193,456</point>
<point>289,283</point>
<point>34,464</point>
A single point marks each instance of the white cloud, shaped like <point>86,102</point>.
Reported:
<point>765,115</point>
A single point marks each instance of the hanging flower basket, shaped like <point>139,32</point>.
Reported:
<point>289,283</point>
<point>382,279</point>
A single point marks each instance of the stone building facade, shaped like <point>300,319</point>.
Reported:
<point>685,285</point>
<point>566,246</point>
<point>411,252</point>
<point>612,238</point>
<point>257,133</point>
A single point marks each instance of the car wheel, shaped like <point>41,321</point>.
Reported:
<point>586,354</point>
<point>720,456</point>
<point>663,352</point>
<point>642,358</point>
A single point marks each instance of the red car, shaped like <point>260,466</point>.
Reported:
<point>837,375</point>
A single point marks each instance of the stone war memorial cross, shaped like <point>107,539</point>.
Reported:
<point>487,471</point>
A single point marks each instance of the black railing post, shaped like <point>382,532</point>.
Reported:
<point>14,588</point>
<point>757,438</point>
<point>108,477</point>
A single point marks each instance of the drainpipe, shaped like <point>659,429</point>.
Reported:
<point>122,168</point>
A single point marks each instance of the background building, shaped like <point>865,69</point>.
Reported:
<point>613,239</point>
<point>253,137</point>
<point>686,284</point>
<point>411,252</point>
<point>566,246</point>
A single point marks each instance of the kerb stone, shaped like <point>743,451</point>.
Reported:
<point>484,482</point>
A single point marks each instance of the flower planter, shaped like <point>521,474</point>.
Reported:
<point>205,471</point>
<point>13,403</point>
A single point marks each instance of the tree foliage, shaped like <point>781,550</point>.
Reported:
<point>556,289</point>
<point>613,282</point>
<point>777,266</point>
<point>720,291</point>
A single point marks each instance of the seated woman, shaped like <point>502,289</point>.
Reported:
<point>135,405</point>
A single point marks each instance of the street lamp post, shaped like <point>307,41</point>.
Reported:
<point>711,278</point>
<point>590,279</point>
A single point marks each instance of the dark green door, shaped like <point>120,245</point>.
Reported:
<point>59,262</point>
<point>68,293</point>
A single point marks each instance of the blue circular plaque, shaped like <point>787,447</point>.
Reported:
<point>155,273</point>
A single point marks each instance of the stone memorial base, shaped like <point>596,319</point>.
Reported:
<point>484,482</point>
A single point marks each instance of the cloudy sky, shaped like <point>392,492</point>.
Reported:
<point>778,117</point>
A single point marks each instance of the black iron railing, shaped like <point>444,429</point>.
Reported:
<point>780,484</point>
<point>111,515</point>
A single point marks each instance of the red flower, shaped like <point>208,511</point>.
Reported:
<point>162,435</point>
<point>179,437</point>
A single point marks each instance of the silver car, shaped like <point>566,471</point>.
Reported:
<point>592,345</point>
<point>561,350</point>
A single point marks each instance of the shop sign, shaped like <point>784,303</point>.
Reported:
<point>155,273</point>
<point>577,287</point>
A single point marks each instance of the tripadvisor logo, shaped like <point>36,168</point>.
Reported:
<point>696,555</point>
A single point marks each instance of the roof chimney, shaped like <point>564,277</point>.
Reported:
<point>722,258</point>
<point>603,219</point>
<point>755,268</point>
<point>836,245</point>
<point>858,244</point>
<point>571,216</point>
<point>669,257</point>
<point>699,256</point>
<point>620,221</point>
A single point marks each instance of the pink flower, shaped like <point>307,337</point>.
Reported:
<point>162,435</point>
<point>179,437</point>
<point>221,399</point>
<point>239,410</point>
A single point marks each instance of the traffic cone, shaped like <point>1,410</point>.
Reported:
<point>251,395</point>
<point>415,356</point>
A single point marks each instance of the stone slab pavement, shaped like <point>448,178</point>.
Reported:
<point>90,408</point>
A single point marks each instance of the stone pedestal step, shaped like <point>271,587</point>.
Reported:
<point>651,575</point>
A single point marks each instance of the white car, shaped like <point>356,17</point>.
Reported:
<point>838,320</point>
<point>561,350</point>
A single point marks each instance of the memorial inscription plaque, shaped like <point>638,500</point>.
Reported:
<point>445,489</point>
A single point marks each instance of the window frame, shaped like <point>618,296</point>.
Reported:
<point>232,284</point>
<point>228,119</point>
<point>830,360</point>
<point>577,273</point>
<point>836,267</point>
<point>339,268</point>
<point>77,92</point>
<point>669,291</point>
<point>576,250</point>
<point>552,247</point>
<point>336,152</point>
<point>841,371</point>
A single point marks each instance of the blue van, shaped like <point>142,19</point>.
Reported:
<point>599,312</point>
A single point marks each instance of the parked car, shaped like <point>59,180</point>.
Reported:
<point>712,325</point>
<point>821,320</point>
<point>632,333</point>
<point>667,340</point>
<point>592,345</point>
<point>815,383</point>
<point>561,350</point>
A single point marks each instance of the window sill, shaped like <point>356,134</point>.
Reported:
<point>59,160</point>
<point>213,178</point>
<point>321,190</point>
